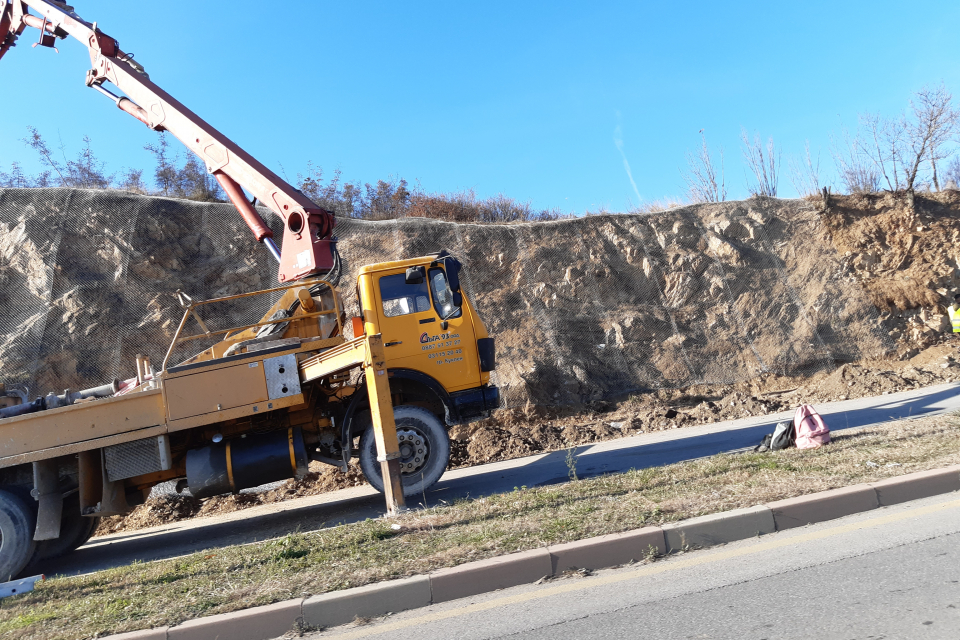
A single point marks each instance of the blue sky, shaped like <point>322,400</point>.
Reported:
<point>523,99</point>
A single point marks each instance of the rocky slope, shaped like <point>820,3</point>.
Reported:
<point>583,310</point>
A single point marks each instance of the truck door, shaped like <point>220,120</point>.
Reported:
<point>411,317</point>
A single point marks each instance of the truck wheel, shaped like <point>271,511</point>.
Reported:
<point>75,530</point>
<point>16,535</point>
<point>424,450</point>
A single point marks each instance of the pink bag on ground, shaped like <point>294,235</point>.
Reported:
<point>812,431</point>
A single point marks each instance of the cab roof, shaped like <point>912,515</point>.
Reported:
<point>401,264</point>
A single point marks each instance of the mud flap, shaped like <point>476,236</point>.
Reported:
<point>46,489</point>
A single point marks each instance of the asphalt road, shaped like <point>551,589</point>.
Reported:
<point>889,573</point>
<point>359,503</point>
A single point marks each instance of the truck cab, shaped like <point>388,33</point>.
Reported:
<point>431,332</point>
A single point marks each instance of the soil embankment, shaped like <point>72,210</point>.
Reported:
<point>606,326</point>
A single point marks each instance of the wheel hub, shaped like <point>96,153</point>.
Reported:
<point>413,450</point>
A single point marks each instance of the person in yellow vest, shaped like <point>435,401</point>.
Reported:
<point>954,312</point>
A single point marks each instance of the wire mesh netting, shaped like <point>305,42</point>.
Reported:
<point>581,309</point>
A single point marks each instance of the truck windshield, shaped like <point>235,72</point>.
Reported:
<point>400,298</point>
<point>442,295</point>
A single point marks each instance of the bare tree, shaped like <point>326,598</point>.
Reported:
<point>165,173</point>
<point>36,142</point>
<point>934,127</point>
<point>902,146</point>
<point>16,178</point>
<point>703,183</point>
<point>885,143</point>
<point>765,166</point>
<point>86,170</point>
<point>805,173</point>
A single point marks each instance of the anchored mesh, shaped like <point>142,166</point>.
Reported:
<point>582,309</point>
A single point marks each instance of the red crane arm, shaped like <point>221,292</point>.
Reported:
<point>308,245</point>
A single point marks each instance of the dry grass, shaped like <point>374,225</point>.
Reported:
<point>221,580</point>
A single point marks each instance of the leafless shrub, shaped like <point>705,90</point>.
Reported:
<point>179,178</point>
<point>385,200</point>
<point>343,198</point>
<point>858,173</point>
<point>657,206</point>
<point>764,165</point>
<point>195,183</point>
<point>466,207</point>
<point>703,183</point>
<point>952,174</point>
<point>16,178</point>
<point>189,180</point>
<point>805,173</point>
<point>85,171</point>
<point>132,180</point>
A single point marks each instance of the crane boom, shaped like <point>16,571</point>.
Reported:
<point>308,245</point>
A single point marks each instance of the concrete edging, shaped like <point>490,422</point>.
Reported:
<point>719,528</point>
<point>473,578</point>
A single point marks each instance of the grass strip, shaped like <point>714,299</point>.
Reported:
<point>220,580</point>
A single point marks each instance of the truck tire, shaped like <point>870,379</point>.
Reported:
<point>17,521</point>
<point>75,529</point>
<point>424,448</point>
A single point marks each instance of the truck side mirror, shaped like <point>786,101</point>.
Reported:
<point>457,299</point>
<point>453,275</point>
<point>415,275</point>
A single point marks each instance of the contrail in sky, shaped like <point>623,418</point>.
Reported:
<point>618,140</point>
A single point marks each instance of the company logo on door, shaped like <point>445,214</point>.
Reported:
<point>425,339</point>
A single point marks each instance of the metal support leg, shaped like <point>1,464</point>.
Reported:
<point>384,428</point>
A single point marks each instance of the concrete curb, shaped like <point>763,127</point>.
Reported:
<point>340,607</point>
<point>826,505</point>
<point>489,575</point>
<point>718,528</point>
<point>474,578</point>
<point>914,486</point>
<point>606,551</point>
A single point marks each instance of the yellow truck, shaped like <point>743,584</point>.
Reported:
<point>263,400</point>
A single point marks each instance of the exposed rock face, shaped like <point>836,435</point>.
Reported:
<point>581,309</point>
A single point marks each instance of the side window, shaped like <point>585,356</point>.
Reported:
<point>400,298</point>
<point>442,295</point>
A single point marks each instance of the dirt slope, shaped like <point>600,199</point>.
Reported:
<point>583,310</point>
<point>606,326</point>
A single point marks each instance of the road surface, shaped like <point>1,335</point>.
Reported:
<point>889,573</point>
<point>358,503</point>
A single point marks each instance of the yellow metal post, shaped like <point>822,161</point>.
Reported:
<point>384,428</point>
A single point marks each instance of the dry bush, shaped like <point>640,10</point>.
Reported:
<point>858,173</point>
<point>657,206</point>
<point>701,177</point>
<point>952,175</point>
<point>805,173</point>
<point>763,163</point>
<point>466,207</point>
